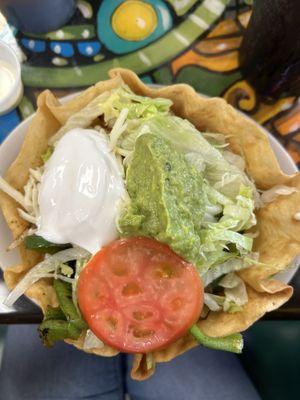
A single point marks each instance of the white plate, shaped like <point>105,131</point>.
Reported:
<point>9,150</point>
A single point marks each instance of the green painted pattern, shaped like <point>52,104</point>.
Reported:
<point>68,32</point>
<point>98,57</point>
<point>25,107</point>
<point>164,76</point>
<point>190,30</point>
<point>157,53</point>
<point>206,82</point>
<point>59,61</point>
<point>181,7</point>
<point>206,14</point>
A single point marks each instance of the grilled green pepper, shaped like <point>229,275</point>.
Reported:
<point>63,322</point>
<point>37,243</point>
<point>232,343</point>
<point>64,294</point>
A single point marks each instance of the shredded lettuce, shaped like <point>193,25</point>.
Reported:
<point>234,159</point>
<point>221,234</point>
<point>140,107</point>
<point>217,140</point>
<point>47,155</point>
<point>66,270</point>
<point>217,238</point>
<point>91,341</point>
<point>118,128</point>
<point>45,269</point>
<point>235,292</point>
<point>213,301</point>
<point>279,190</point>
<point>109,104</point>
<point>79,265</point>
<point>230,265</point>
<point>234,297</point>
<point>124,112</point>
<point>241,213</point>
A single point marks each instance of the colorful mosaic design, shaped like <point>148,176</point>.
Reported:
<point>195,42</point>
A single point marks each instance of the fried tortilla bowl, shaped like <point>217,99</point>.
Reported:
<point>279,233</point>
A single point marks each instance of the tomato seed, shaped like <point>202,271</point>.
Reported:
<point>140,315</point>
<point>131,289</point>
<point>119,270</point>
<point>112,323</point>
<point>142,333</point>
<point>176,304</point>
<point>164,271</point>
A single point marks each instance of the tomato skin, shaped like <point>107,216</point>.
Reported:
<point>137,295</point>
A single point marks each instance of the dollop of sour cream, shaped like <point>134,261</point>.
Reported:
<point>80,192</point>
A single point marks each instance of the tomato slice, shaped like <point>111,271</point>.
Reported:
<point>137,295</point>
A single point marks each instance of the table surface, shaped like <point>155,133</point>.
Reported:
<point>197,42</point>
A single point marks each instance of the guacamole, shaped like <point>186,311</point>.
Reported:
<point>167,197</point>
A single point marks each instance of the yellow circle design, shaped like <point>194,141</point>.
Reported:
<point>134,20</point>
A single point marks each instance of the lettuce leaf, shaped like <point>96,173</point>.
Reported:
<point>139,107</point>
<point>234,297</point>
<point>241,213</point>
<point>230,265</point>
<point>235,292</point>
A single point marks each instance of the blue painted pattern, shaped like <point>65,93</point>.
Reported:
<point>7,123</point>
<point>62,49</point>
<point>89,49</point>
<point>37,46</point>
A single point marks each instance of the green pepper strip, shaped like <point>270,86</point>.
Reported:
<point>64,295</point>
<point>53,330</point>
<point>37,243</point>
<point>54,313</point>
<point>61,322</point>
<point>233,343</point>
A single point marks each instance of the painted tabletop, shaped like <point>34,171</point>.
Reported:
<point>165,42</point>
<point>191,41</point>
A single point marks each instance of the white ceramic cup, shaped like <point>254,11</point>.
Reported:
<point>12,98</point>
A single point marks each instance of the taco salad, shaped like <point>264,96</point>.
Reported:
<point>148,221</point>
